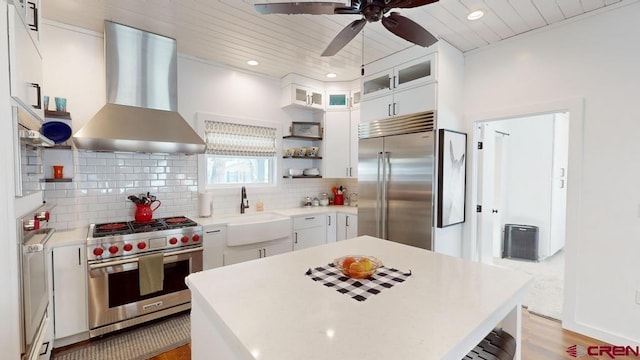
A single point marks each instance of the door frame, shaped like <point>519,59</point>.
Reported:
<point>575,108</point>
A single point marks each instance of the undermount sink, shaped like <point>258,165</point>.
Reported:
<point>255,228</point>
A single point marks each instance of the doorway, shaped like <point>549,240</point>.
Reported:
<point>521,172</point>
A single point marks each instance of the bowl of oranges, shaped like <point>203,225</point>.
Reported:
<point>357,266</point>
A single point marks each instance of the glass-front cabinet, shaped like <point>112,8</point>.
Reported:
<point>409,74</point>
<point>303,96</point>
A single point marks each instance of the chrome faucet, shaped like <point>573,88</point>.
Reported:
<point>244,203</point>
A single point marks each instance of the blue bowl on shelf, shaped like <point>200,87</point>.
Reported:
<point>57,131</point>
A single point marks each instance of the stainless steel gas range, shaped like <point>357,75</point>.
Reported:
<point>115,254</point>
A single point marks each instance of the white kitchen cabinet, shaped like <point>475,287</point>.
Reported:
<point>309,231</point>
<point>31,14</point>
<point>338,100</point>
<point>25,65</point>
<point>408,74</point>
<point>47,341</point>
<point>331,227</point>
<point>213,246</point>
<point>299,95</point>
<point>400,103</point>
<point>347,226</point>
<point>302,92</point>
<point>353,142</point>
<point>70,290</point>
<point>341,144</point>
<point>356,98</point>
<point>237,254</point>
<point>48,331</point>
<point>337,128</point>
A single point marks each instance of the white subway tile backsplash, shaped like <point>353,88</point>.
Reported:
<point>103,181</point>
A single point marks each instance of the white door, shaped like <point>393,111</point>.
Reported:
<point>491,196</point>
<point>499,196</point>
<point>485,198</point>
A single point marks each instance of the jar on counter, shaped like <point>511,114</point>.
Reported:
<point>324,199</point>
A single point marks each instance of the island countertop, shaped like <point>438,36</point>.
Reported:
<point>269,309</point>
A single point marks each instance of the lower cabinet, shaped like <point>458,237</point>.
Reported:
<point>309,231</point>
<point>331,227</point>
<point>347,226</point>
<point>70,290</point>
<point>237,254</point>
<point>213,246</point>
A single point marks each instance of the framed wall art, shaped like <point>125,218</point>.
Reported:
<point>452,156</point>
<point>306,129</point>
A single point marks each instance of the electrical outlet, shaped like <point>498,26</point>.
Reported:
<point>638,296</point>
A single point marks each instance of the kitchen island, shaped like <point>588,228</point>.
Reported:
<point>270,309</point>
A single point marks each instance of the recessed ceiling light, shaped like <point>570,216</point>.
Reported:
<point>475,15</point>
<point>331,75</point>
<point>252,62</point>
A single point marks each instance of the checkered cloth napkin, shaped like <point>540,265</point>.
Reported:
<point>358,289</point>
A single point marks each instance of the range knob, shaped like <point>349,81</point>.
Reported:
<point>142,245</point>
<point>113,249</point>
<point>196,238</point>
<point>98,251</point>
<point>185,239</point>
<point>127,247</point>
<point>173,241</point>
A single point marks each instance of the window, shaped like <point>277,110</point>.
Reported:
<point>239,154</point>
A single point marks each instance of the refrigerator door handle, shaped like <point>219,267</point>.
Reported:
<point>379,180</point>
<point>386,171</point>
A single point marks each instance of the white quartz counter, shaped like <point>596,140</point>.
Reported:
<point>76,236</point>
<point>299,211</point>
<point>268,309</point>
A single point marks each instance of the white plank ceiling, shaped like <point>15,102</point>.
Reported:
<point>230,32</point>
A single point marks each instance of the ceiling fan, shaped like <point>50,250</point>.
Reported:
<point>371,11</point>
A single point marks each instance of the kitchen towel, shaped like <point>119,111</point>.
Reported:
<point>357,289</point>
<point>150,273</point>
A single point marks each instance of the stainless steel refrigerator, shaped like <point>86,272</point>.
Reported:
<point>395,179</point>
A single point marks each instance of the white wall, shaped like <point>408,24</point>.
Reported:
<point>595,59</point>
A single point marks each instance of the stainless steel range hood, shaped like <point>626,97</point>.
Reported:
<point>141,111</point>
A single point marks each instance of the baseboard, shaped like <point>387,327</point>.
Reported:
<point>598,334</point>
<point>70,340</point>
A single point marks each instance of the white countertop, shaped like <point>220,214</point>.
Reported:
<point>278,312</point>
<point>76,236</point>
<point>299,211</point>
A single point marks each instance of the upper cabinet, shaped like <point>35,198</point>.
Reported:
<point>338,99</point>
<point>29,11</point>
<point>25,64</point>
<point>409,74</point>
<point>299,91</point>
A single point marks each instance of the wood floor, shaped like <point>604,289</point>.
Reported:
<point>542,338</point>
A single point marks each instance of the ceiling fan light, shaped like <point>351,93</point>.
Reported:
<point>331,75</point>
<point>252,62</point>
<point>475,15</point>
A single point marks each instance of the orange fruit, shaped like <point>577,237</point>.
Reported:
<point>347,262</point>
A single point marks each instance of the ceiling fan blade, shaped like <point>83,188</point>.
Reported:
<point>408,30</point>
<point>408,3</point>
<point>312,8</point>
<point>347,34</point>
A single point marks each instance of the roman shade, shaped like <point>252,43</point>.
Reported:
<point>229,139</point>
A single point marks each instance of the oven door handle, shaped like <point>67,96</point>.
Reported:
<point>135,259</point>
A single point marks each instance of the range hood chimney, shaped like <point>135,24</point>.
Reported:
<point>141,111</point>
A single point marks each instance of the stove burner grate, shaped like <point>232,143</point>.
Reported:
<point>133,227</point>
